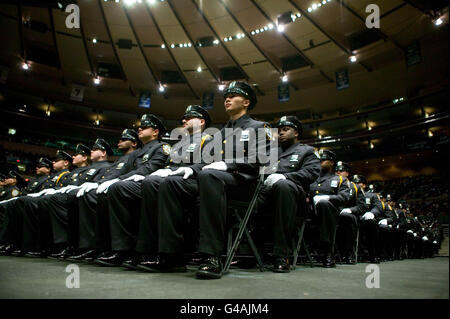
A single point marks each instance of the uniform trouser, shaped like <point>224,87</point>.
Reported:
<point>369,229</point>
<point>63,211</point>
<point>215,187</point>
<point>11,229</point>
<point>327,216</point>
<point>94,221</point>
<point>386,240</point>
<point>346,237</point>
<point>162,213</point>
<point>285,201</point>
<point>124,205</point>
<point>36,224</point>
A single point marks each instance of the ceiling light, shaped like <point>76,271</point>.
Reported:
<point>314,6</point>
<point>371,145</point>
<point>319,4</point>
<point>353,58</point>
<point>266,28</point>
<point>163,46</point>
<point>161,88</point>
<point>25,66</point>
<point>430,134</point>
<point>309,9</point>
<point>284,78</point>
<point>172,45</point>
<point>221,87</point>
<point>216,41</point>
<point>97,80</point>
<point>230,38</point>
<point>130,2</point>
<point>298,15</point>
<point>257,31</point>
<point>225,39</point>
<point>438,21</point>
<point>189,44</point>
<point>270,26</point>
<point>199,69</point>
<point>94,40</point>
<point>151,1</point>
<point>238,36</point>
<point>280,27</point>
<point>261,30</point>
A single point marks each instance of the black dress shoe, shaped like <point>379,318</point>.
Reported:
<point>81,257</point>
<point>63,254</point>
<point>150,264</point>
<point>8,250</point>
<point>212,269</point>
<point>113,260</point>
<point>349,260</point>
<point>36,254</point>
<point>18,252</point>
<point>329,262</point>
<point>281,265</point>
<point>133,261</point>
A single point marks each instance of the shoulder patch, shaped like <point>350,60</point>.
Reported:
<point>166,149</point>
<point>268,130</point>
<point>15,192</point>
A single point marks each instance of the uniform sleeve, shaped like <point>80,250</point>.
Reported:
<point>155,162</point>
<point>100,172</point>
<point>361,207</point>
<point>308,172</point>
<point>341,198</point>
<point>377,208</point>
<point>197,167</point>
<point>245,166</point>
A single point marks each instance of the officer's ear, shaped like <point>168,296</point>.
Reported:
<point>246,103</point>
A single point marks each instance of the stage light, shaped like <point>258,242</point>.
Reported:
<point>353,58</point>
<point>94,40</point>
<point>161,88</point>
<point>25,66</point>
<point>284,78</point>
<point>221,87</point>
<point>438,22</point>
<point>280,27</point>
<point>97,80</point>
<point>199,69</point>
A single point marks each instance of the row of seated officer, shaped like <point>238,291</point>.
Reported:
<point>130,212</point>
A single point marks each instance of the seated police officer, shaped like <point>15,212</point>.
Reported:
<point>284,192</point>
<point>330,195</point>
<point>369,221</point>
<point>61,166</point>
<point>349,216</point>
<point>11,219</point>
<point>124,192</point>
<point>63,206</point>
<point>93,221</point>
<point>58,208</point>
<point>167,191</point>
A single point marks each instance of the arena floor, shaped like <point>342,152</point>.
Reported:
<point>22,277</point>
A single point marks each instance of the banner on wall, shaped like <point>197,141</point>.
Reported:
<point>283,92</point>
<point>77,92</point>
<point>342,80</point>
<point>144,100</point>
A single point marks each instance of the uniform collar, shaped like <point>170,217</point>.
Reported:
<point>238,122</point>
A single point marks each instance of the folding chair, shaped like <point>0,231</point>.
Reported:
<point>299,244</point>
<point>243,227</point>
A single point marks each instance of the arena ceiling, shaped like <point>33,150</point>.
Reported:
<point>139,46</point>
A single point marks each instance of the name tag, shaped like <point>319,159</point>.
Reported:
<point>34,184</point>
<point>191,148</point>
<point>334,183</point>
<point>91,172</point>
<point>74,176</point>
<point>368,201</point>
<point>54,179</point>
<point>145,158</point>
<point>245,136</point>
<point>120,165</point>
<point>351,192</point>
<point>294,158</point>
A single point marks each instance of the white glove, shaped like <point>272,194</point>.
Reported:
<point>368,216</point>
<point>220,166</point>
<point>345,211</point>
<point>273,178</point>
<point>68,188</point>
<point>409,231</point>
<point>163,172</point>
<point>7,200</point>
<point>86,187</point>
<point>425,238</point>
<point>103,187</point>
<point>135,177</point>
<point>318,198</point>
<point>48,191</point>
<point>398,226</point>
<point>35,194</point>
<point>415,234</point>
<point>434,242</point>
<point>383,222</point>
<point>185,171</point>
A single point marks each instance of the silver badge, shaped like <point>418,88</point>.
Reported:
<point>191,148</point>
<point>145,158</point>
<point>245,136</point>
<point>120,165</point>
<point>91,172</point>
<point>294,158</point>
<point>334,183</point>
